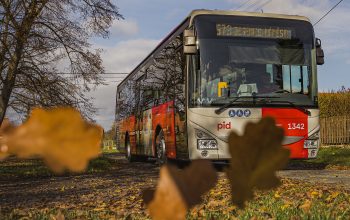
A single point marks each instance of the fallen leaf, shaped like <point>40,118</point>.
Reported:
<point>60,136</point>
<point>277,196</point>
<point>255,157</point>
<point>59,216</point>
<point>178,190</point>
<point>315,194</point>
<point>332,196</point>
<point>306,206</point>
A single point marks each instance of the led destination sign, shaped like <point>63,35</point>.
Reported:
<point>226,30</point>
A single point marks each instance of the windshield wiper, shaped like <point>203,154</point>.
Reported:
<point>282,91</point>
<point>254,97</point>
<point>222,108</point>
<point>263,98</point>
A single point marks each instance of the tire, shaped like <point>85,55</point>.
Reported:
<point>128,154</point>
<point>161,149</point>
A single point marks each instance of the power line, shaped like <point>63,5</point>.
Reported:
<point>266,3</point>
<point>243,4</point>
<point>104,84</point>
<point>253,5</point>
<point>327,13</point>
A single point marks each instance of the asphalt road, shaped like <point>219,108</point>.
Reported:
<point>334,177</point>
<point>311,173</point>
<point>317,174</point>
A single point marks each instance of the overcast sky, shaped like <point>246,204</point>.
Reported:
<point>148,21</point>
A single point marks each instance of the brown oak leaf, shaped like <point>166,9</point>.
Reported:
<point>178,190</point>
<point>5,127</point>
<point>60,136</point>
<point>255,157</point>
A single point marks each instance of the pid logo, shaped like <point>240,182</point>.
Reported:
<point>224,126</point>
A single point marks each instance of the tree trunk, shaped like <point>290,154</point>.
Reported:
<point>9,82</point>
<point>21,37</point>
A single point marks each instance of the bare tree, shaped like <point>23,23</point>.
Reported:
<point>36,36</point>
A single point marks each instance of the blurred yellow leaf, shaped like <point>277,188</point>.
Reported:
<point>5,127</point>
<point>59,216</point>
<point>178,190</point>
<point>332,196</point>
<point>314,194</point>
<point>285,206</point>
<point>306,206</point>
<point>255,157</point>
<point>60,136</point>
<point>277,196</point>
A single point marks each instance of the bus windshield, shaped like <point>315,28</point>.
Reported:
<point>246,56</point>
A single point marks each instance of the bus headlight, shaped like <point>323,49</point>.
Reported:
<point>201,134</point>
<point>312,141</point>
<point>203,144</point>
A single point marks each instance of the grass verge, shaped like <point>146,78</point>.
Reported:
<point>333,155</point>
<point>31,168</point>
<point>292,200</point>
<point>330,157</point>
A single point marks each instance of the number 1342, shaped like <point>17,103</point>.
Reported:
<point>296,126</point>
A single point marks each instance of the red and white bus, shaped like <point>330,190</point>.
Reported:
<point>214,73</point>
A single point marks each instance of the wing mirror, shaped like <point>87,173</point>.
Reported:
<point>319,52</point>
<point>190,46</point>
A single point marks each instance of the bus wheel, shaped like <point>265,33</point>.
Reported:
<point>161,149</point>
<point>128,155</point>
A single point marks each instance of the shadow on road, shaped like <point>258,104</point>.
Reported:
<point>305,165</point>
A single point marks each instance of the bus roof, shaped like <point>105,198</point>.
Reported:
<point>197,12</point>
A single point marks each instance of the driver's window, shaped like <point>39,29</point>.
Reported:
<point>286,77</point>
<point>295,78</point>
